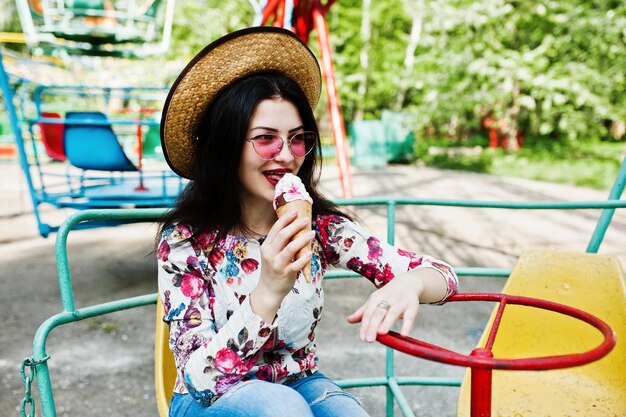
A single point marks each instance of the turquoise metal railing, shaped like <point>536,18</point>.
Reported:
<point>38,362</point>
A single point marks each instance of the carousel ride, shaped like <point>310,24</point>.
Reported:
<point>88,145</point>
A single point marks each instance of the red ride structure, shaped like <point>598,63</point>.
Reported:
<point>301,17</point>
<point>481,360</point>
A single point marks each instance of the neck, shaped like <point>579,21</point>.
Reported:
<point>257,221</point>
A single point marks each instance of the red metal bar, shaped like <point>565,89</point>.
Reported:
<point>496,324</point>
<point>493,138</point>
<point>334,107</point>
<point>480,402</point>
<point>303,20</point>
<point>404,343</point>
<point>481,360</point>
<point>297,5</point>
<point>141,186</point>
<point>269,10</point>
<point>301,11</point>
<point>538,363</point>
<point>280,14</point>
<point>140,145</point>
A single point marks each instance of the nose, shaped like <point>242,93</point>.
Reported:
<point>285,154</point>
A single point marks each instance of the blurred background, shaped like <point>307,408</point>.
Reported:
<point>521,88</point>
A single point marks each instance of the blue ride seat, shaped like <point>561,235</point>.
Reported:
<point>95,146</point>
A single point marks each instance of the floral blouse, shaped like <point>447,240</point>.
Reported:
<point>219,342</point>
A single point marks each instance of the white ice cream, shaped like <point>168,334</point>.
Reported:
<point>290,188</point>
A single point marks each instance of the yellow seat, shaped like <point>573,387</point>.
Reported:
<point>164,365</point>
<point>590,282</point>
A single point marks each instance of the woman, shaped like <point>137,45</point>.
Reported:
<point>242,317</point>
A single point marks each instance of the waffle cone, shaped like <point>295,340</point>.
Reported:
<point>304,209</point>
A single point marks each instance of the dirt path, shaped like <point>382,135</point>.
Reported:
<point>104,366</point>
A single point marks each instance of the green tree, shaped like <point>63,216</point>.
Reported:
<point>9,21</point>
<point>553,68</point>
<point>198,22</point>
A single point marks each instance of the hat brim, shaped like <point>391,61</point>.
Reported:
<point>224,61</point>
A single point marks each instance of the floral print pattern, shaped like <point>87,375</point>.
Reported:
<point>219,342</point>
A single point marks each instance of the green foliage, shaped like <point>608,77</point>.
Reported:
<point>9,20</point>
<point>475,163</point>
<point>583,163</point>
<point>390,27</point>
<point>558,64</point>
<point>197,23</point>
<point>567,57</point>
<point>449,155</point>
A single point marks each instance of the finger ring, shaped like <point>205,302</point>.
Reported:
<point>384,305</point>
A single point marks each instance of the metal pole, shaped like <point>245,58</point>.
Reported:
<point>5,87</point>
<point>607,214</point>
<point>334,108</point>
<point>389,354</point>
<point>481,386</point>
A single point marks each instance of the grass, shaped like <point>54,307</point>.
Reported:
<point>590,164</point>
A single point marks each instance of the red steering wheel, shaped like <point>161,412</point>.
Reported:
<point>481,360</point>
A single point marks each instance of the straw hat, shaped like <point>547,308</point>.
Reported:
<point>222,62</point>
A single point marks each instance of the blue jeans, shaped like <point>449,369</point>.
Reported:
<point>313,396</point>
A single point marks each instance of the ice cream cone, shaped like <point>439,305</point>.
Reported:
<point>304,209</point>
<point>291,195</point>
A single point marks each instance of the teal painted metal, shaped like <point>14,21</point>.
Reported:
<point>513,205</point>
<point>389,353</point>
<point>398,395</point>
<point>428,381</point>
<point>391,381</point>
<point>461,271</point>
<point>607,214</point>
<point>9,97</point>
<point>42,375</point>
<point>362,382</point>
<point>402,380</point>
<point>63,268</point>
<point>483,272</point>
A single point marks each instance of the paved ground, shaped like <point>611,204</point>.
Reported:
<point>104,366</point>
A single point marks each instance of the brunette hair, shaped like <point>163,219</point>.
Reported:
<point>211,202</point>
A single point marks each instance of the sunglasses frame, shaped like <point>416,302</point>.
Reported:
<point>252,140</point>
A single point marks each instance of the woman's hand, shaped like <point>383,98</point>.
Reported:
<point>399,299</point>
<point>279,270</point>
